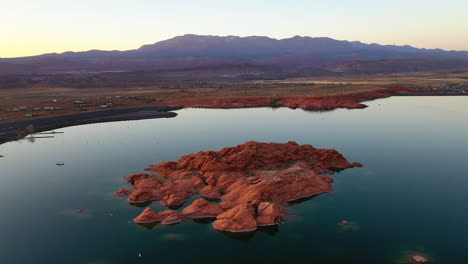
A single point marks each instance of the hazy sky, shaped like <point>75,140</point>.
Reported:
<point>30,27</point>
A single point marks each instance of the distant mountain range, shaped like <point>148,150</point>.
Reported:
<point>291,54</point>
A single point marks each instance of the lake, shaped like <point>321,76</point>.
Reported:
<point>410,196</point>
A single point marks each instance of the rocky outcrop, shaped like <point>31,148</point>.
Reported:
<point>122,192</point>
<point>210,192</point>
<point>201,208</point>
<point>170,217</point>
<point>167,217</point>
<point>237,219</point>
<point>148,216</point>
<point>144,195</point>
<point>254,181</point>
<point>268,213</point>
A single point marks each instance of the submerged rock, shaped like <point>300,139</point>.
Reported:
<point>349,225</point>
<point>174,236</point>
<point>414,256</point>
<point>420,259</point>
<point>77,214</point>
<point>253,181</point>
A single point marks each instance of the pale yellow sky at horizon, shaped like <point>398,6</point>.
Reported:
<point>38,27</point>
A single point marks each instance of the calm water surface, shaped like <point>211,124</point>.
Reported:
<point>411,196</point>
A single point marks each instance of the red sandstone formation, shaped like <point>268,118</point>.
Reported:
<point>210,192</point>
<point>253,181</point>
<point>268,213</point>
<point>122,192</point>
<point>165,217</point>
<point>237,219</point>
<point>171,217</point>
<point>148,216</point>
<point>201,208</point>
<point>309,103</point>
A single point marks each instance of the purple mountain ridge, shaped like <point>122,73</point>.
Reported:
<point>192,51</point>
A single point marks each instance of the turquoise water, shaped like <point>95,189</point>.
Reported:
<point>411,195</point>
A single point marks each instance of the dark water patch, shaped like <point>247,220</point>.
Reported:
<point>141,205</point>
<point>240,236</point>
<point>204,220</point>
<point>270,230</point>
<point>150,225</point>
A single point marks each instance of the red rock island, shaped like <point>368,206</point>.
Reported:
<point>253,181</point>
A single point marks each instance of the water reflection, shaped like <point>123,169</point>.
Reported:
<point>150,225</point>
<point>241,236</point>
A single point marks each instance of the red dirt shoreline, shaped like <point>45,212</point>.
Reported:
<point>305,102</point>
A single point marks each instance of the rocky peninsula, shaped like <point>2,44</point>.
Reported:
<point>305,102</point>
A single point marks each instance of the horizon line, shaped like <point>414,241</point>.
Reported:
<point>224,36</point>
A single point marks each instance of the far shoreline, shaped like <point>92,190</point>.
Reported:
<point>18,130</point>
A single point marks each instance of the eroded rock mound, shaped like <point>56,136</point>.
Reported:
<point>122,192</point>
<point>201,208</point>
<point>237,219</point>
<point>269,213</point>
<point>148,216</point>
<point>253,181</point>
<point>165,217</point>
